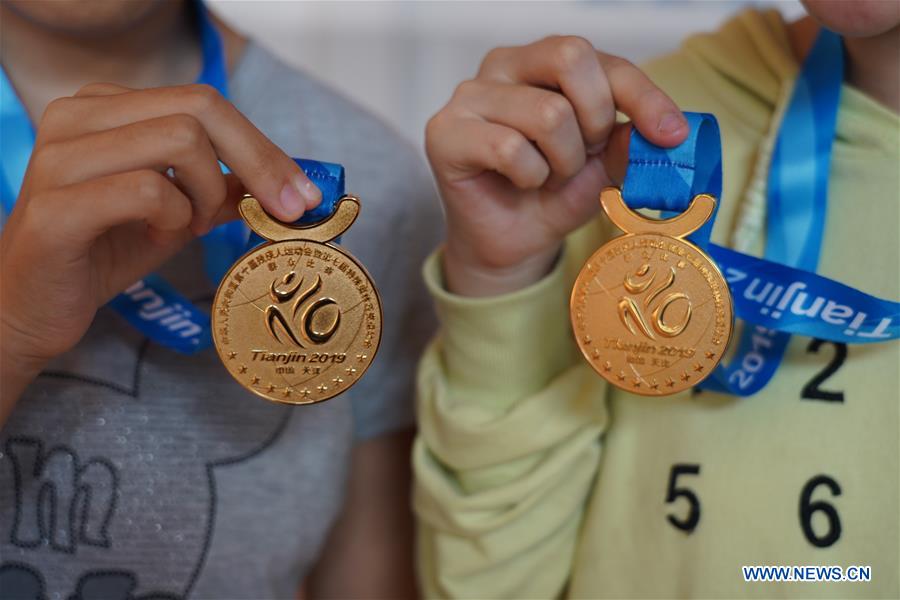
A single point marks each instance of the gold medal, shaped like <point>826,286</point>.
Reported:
<point>651,312</point>
<point>297,319</point>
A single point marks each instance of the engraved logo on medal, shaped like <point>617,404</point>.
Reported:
<point>318,320</point>
<point>631,314</point>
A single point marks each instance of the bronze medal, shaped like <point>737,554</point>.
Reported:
<point>297,319</point>
<point>651,312</point>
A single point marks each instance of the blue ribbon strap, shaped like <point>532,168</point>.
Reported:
<point>214,71</point>
<point>784,299</point>
<point>798,174</point>
<point>160,312</point>
<point>15,132</point>
<point>667,179</point>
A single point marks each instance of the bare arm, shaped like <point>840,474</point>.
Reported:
<point>369,553</point>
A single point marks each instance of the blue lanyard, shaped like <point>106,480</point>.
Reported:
<point>780,294</point>
<point>151,305</point>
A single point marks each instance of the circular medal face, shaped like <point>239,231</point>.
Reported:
<point>651,313</point>
<point>297,321</point>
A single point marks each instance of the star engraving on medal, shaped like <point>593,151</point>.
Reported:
<point>322,388</point>
<point>305,392</point>
<point>595,353</point>
<point>271,388</point>
<point>337,381</point>
<point>607,366</point>
<point>287,392</point>
<point>636,382</point>
<point>351,371</point>
<point>685,376</point>
<point>681,264</point>
<point>670,382</point>
<point>243,369</point>
<point>710,355</point>
<point>621,376</point>
<point>255,381</point>
<point>587,339</point>
<point>232,355</point>
<point>698,368</point>
<point>361,357</point>
<point>654,385</point>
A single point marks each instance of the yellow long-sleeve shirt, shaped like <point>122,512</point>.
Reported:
<point>535,479</point>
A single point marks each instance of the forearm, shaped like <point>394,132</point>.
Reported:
<point>495,500</point>
<point>373,537</point>
<point>509,442</point>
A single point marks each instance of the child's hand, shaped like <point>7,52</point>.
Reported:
<point>97,210</point>
<point>522,151</point>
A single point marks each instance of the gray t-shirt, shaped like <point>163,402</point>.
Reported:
<point>130,471</point>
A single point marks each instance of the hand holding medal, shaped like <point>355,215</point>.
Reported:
<point>525,174</point>
<point>162,149</point>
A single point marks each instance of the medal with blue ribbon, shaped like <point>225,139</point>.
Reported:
<point>652,328</point>
<point>651,311</point>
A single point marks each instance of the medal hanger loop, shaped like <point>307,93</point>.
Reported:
<point>693,218</point>
<point>327,229</point>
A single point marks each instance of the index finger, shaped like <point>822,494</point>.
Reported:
<point>651,110</point>
<point>267,172</point>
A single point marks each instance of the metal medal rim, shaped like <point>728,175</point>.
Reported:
<point>219,346</point>
<point>285,240</point>
<point>728,300</point>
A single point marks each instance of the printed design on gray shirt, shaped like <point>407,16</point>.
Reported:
<point>76,517</point>
<point>21,582</point>
<point>59,499</point>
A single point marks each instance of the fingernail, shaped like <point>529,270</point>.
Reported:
<point>293,203</point>
<point>671,123</point>
<point>310,192</point>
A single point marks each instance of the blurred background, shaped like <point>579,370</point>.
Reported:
<point>402,60</point>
